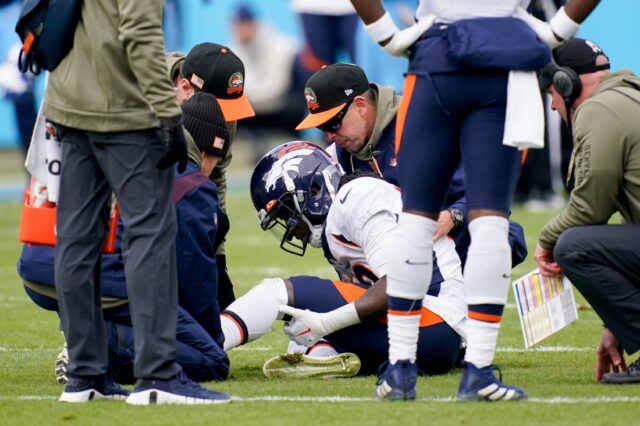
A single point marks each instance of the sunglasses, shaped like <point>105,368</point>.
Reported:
<point>336,121</point>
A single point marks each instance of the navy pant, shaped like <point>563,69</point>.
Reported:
<point>201,358</point>
<point>450,117</point>
<point>438,344</point>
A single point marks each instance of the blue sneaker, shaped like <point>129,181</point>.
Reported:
<point>178,390</point>
<point>398,381</point>
<point>85,389</point>
<point>480,384</point>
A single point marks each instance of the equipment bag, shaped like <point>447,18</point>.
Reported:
<point>46,28</point>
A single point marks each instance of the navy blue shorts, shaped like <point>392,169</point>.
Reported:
<point>448,117</point>
<point>438,344</point>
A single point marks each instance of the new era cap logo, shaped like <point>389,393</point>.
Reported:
<point>348,91</point>
<point>593,46</point>
<point>236,83</point>
<point>312,100</point>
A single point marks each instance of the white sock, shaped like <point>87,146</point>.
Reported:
<point>487,276</point>
<point>322,349</point>
<point>409,276</point>
<point>411,262</point>
<point>253,314</point>
<point>403,337</point>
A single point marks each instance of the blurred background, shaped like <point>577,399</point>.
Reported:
<point>281,43</point>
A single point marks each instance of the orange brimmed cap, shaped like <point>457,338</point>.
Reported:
<point>215,69</point>
<point>329,90</point>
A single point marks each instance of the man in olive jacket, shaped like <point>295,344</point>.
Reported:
<point>115,111</point>
<point>602,261</point>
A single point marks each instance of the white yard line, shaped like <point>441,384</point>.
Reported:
<point>332,399</point>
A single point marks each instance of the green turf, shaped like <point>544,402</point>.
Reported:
<point>29,341</point>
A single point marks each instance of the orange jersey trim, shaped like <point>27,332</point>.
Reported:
<point>484,317</point>
<point>350,292</point>
<point>409,85</point>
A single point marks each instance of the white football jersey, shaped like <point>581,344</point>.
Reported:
<point>360,252</point>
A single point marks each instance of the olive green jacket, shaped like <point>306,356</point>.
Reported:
<point>114,78</point>
<point>605,159</point>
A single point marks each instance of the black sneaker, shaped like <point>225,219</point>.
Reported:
<point>629,377</point>
<point>178,390</point>
<point>85,389</point>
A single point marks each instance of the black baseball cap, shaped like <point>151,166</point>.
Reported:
<point>329,90</point>
<point>580,55</point>
<point>215,69</point>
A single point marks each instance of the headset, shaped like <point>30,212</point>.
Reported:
<point>565,80</point>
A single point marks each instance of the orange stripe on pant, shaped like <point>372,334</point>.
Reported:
<point>350,292</point>
<point>484,317</point>
<point>409,85</point>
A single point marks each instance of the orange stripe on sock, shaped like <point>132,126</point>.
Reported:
<point>484,317</point>
<point>523,156</point>
<point>242,339</point>
<point>409,85</point>
<point>403,313</point>
<point>427,317</point>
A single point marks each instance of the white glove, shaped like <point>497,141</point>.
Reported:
<point>307,327</point>
<point>400,40</point>
<point>541,28</point>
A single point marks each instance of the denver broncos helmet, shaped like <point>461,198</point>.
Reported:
<point>292,188</point>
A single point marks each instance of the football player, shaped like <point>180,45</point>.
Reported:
<point>303,199</point>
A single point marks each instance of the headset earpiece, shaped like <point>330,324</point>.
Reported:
<point>567,82</point>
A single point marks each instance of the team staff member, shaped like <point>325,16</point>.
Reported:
<point>200,230</point>
<point>121,133</point>
<point>453,112</point>
<point>602,261</point>
<point>359,119</point>
<point>215,69</point>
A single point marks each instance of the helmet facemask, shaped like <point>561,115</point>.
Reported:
<point>297,218</point>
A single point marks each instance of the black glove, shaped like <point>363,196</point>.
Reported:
<point>175,145</point>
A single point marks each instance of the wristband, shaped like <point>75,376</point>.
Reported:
<point>382,29</point>
<point>563,25</point>
<point>340,318</point>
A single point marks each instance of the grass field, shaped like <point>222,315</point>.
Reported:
<point>558,375</point>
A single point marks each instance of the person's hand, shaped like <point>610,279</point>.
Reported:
<point>306,327</point>
<point>610,355</point>
<point>547,265</point>
<point>175,145</point>
<point>541,28</point>
<point>394,41</point>
<point>444,225</point>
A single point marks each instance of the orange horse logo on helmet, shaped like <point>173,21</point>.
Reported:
<point>236,83</point>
